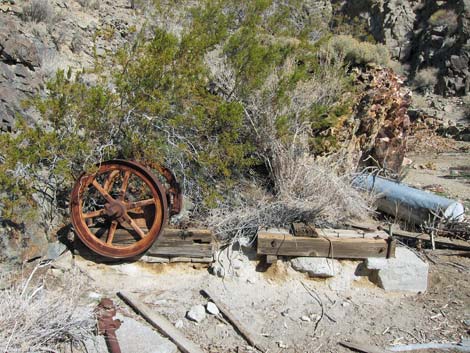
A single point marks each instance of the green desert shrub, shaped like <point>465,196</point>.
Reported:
<point>155,101</point>
<point>426,79</point>
<point>444,17</point>
<point>356,52</point>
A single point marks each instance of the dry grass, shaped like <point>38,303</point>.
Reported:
<point>38,11</point>
<point>37,318</point>
<point>307,190</point>
<point>426,79</point>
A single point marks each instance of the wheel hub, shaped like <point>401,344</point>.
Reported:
<point>115,209</point>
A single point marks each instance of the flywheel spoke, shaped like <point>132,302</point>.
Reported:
<point>94,214</point>
<point>134,226</point>
<point>111,232</point>
<point>125,183</point>
<point>102,191</point>
<point>138,204</point>
<point>108,184</point>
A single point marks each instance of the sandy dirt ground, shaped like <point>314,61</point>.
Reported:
<point>277,304</point>
<point>283,308</point>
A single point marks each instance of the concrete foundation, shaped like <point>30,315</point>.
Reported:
<point>406,272</point>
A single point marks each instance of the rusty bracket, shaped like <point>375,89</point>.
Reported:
<point>174,193</point>
<point>107,326</point>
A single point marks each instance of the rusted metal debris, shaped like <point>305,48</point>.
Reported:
<point>107,326</point>
<point>123,195</point>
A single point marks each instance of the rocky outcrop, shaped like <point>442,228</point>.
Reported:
<point>442,41</point>
<point>391,23</point>
<point>19,76</point>
<point>32,51</point>
<point>422,35</point>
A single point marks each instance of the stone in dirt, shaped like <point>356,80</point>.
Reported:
<point>134,337</point>
<point>212,308</point>
<point>406,272</point>
<point>54,250</point>
<point>317,266</point>
<point>179,324</point>
<point>197,313</point>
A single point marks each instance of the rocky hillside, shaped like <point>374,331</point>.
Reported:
<point>39,37</point>
<point>431,39</point>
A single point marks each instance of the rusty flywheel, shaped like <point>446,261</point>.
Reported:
<point>120,210</point>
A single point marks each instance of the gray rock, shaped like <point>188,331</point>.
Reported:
<point>317,266</point>
<point>458,63</point>
<point>217,270</point>
<point>54,250</point>
<point>19,49</point>
<point>212,308</point>
<point>406,272</point>
<point>64,262</point>
<point>376,263</point>
<point>197,313</point>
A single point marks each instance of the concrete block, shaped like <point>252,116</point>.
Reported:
<point>317,266</point>
<point>376,263</point>
<point>406,272</point>
<point>134,337</point>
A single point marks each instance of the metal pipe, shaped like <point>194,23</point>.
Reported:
<point>407,203</point>
<point>107,326</point>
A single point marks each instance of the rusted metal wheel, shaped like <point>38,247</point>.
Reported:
<point>120,210</point>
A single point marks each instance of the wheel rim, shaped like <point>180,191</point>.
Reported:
<point>120,210</point>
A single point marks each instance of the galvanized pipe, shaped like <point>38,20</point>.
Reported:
<point>407,203</point>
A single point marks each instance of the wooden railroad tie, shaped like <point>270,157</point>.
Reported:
<point>331,243</point>
<point>173,245</point>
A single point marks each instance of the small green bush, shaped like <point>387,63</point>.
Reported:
<point>426,79</point>
<point>444,17</point>
<point>356,52</point>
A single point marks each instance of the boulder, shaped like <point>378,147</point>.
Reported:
<point>392,23</point>
<point>405,272</point>
<point>19,49</point>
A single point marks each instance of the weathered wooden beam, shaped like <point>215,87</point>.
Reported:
<point>190,243</point>
<point>302,230</point>
<point>247,335</point>
<point>204,235</point>
<point>351,233</point>
<point>334,247</point>
<point>362,347</point>
<point>440,242</point>
<point>181,249</point>
<point>161,324</point>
